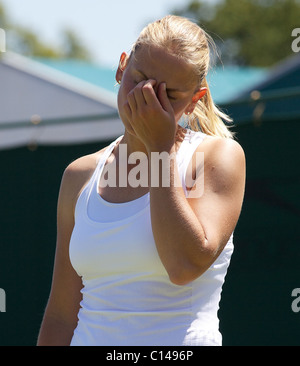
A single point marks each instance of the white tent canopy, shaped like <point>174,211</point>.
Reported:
<point>44,106</point>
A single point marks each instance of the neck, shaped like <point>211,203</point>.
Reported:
<point>133,143</point>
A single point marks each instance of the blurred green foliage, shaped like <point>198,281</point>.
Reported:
<point>25,41</point>
<point>248,32</point>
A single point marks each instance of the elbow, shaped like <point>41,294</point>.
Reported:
<point>187,271</point>
<point>184,276</point>
<point>180,281</point>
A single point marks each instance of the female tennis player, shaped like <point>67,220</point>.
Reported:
<point>144,244</point>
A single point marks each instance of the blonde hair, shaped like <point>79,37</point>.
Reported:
<point>189,42</point>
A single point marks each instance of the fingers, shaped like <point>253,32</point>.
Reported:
<point>139,95</point>
<point>149,93</point>
<point>163,98</point>
<point>135,97</point>
<point>135,101</point>
<point>132,101</point>
<point>142,94</point>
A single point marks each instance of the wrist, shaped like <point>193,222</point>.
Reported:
<point>162,165</point>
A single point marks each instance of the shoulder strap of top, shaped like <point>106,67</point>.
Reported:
<point>85,194</point>
<point>107,152</point>
<point>188,146</point>
<point>102,160</point>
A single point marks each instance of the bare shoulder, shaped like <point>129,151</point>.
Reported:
<point>224,162</point>
<point>78,173</point>
<point>223,149</point>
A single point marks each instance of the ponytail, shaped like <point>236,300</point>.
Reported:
<point>208,118</point>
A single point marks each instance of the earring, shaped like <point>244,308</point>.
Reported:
<point>119,82</point>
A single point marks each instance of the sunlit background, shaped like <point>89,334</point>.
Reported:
<point>58,102</point>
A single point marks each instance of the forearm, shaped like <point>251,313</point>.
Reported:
<point>178,234</point>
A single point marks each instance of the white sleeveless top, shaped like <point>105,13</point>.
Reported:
<point>128,299</point>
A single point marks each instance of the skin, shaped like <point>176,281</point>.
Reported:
<point>155,91</point>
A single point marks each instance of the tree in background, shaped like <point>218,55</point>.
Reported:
<point>248,32</point>
<point>72,46</point>
<point>26,42</point>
